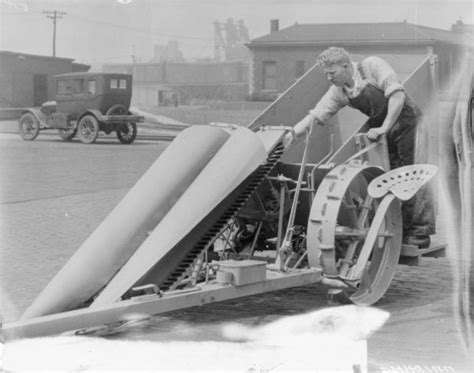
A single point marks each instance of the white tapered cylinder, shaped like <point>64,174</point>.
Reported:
<point>127,226</point>
<point>232,164</point>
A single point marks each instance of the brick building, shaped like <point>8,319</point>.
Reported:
<point>282,56</point>
<point>27,80</point>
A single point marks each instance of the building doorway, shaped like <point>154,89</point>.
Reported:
<point>40,89</point>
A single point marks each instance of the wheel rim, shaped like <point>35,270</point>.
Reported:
<point>128,133</point>
<point>29,127</point>
<point>354,238</point>
<point>382,256</point>
<point>88,128</point>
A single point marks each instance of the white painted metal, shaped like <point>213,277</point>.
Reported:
<point>371,238</point>
<point>123,231</point>
<point>116,313</point>
<point>224,172</point>
<point>403,182</point>
<point>356,253</point>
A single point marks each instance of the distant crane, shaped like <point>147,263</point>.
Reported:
<point>54,15</point>
<point>229,39</point>
<point>219,43</point>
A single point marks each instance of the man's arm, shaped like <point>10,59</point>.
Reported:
<point>328,106</point>
<point>385,77</point>
<point>305,123</point>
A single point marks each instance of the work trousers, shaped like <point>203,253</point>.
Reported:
<point>418,212</point>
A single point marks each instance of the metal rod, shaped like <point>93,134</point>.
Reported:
<point>254,242</point>
<point>322,161</point>
<point>305,254</point>
<point>286,245</point>
<point>353,246</point>
<point>280,214</point>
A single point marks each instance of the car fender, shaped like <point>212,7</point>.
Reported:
<point>96,113</point>
<point>39,115</point>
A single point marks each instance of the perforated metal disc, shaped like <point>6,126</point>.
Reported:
<point>403,182</point>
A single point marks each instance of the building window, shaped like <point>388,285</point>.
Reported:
<point>299,69</point>
<point>269,75</point>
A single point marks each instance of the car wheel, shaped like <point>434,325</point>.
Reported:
<point>88,129</point>
<point>28,127</point>
<point>127,133</point>
<point>67,134</point>
<point>118,109</point>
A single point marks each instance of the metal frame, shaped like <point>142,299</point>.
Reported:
<point>155,304</point>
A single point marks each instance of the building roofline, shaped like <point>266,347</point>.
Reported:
<point>288,35</point>
<point>80,64</point>
<point>129,64</point>
<point>80,74</point>
<point>343,42</point>
<point>19,54</point>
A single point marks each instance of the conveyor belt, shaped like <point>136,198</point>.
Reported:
<point>186,266</point>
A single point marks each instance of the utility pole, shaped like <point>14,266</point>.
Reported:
<point>134,58</point>
<point>54,15</point>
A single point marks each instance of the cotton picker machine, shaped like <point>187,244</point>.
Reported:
<point>237,214</point>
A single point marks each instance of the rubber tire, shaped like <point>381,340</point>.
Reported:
<point>128,138</point>
<point>34,131</point>
<point>119,109</point>
<point>94,131</point>
<point>67,135</point>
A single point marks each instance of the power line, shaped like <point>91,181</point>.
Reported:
<point>152,33</point>
<point>54,15</point>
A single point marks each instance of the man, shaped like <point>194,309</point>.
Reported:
<point>374,88</point>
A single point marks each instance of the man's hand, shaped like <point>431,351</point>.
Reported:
<point>289,138</point>
<point>374,133</point>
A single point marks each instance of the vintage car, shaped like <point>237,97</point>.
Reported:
<point>86,103</point>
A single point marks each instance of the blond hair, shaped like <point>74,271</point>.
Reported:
<point>332,56</point>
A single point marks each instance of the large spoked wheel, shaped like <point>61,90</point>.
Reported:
<point>67,134</point>
<point>28,127</point>
<point>126,133</point>
<point>88,129</point>
<point>354,238</point>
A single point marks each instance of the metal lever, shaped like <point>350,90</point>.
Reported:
<point>285,247</point>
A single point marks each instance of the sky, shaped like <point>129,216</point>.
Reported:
<point>106,31</point>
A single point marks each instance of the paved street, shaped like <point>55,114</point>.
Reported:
<point>54,194</point>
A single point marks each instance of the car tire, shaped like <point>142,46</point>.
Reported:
<point>128,136</point>
<point>67,134</point>
<point>117,109</point>
<point>28,127</point>
<point>126,133</point>
<point>88,129</point>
